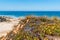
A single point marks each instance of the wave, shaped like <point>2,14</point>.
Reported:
<point>9,16</point>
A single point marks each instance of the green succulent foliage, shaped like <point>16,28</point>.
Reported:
<point>37,28</point>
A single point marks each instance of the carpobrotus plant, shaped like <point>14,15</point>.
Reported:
<point>37,28</point>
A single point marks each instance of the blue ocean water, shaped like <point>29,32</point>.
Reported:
<point>25,13</point>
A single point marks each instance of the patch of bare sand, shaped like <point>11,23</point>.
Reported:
<point>6,27</point>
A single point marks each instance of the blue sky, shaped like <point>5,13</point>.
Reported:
<point>30,5</point>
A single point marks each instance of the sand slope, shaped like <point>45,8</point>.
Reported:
<point>6,27</point>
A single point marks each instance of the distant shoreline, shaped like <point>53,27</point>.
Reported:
<point>12,16</point>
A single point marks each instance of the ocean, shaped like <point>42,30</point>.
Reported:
<point>26,13</point>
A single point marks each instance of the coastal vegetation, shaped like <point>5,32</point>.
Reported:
<point>35,28</point>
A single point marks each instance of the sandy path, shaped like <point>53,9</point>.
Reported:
<point>53,37</point>
<point>7,27</point>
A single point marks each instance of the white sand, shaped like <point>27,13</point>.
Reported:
<point>7,26</point>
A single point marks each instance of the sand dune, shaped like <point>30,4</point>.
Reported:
<point>6,27</point>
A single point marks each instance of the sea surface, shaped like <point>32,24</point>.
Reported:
<point>26,13</point>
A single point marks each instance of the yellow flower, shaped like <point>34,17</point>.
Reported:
<point>50,32</point>
<point>53,27</point>
<point>44,31</point>
<point>36,38</point>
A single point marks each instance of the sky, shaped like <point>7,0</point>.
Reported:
<point>29,5</point>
